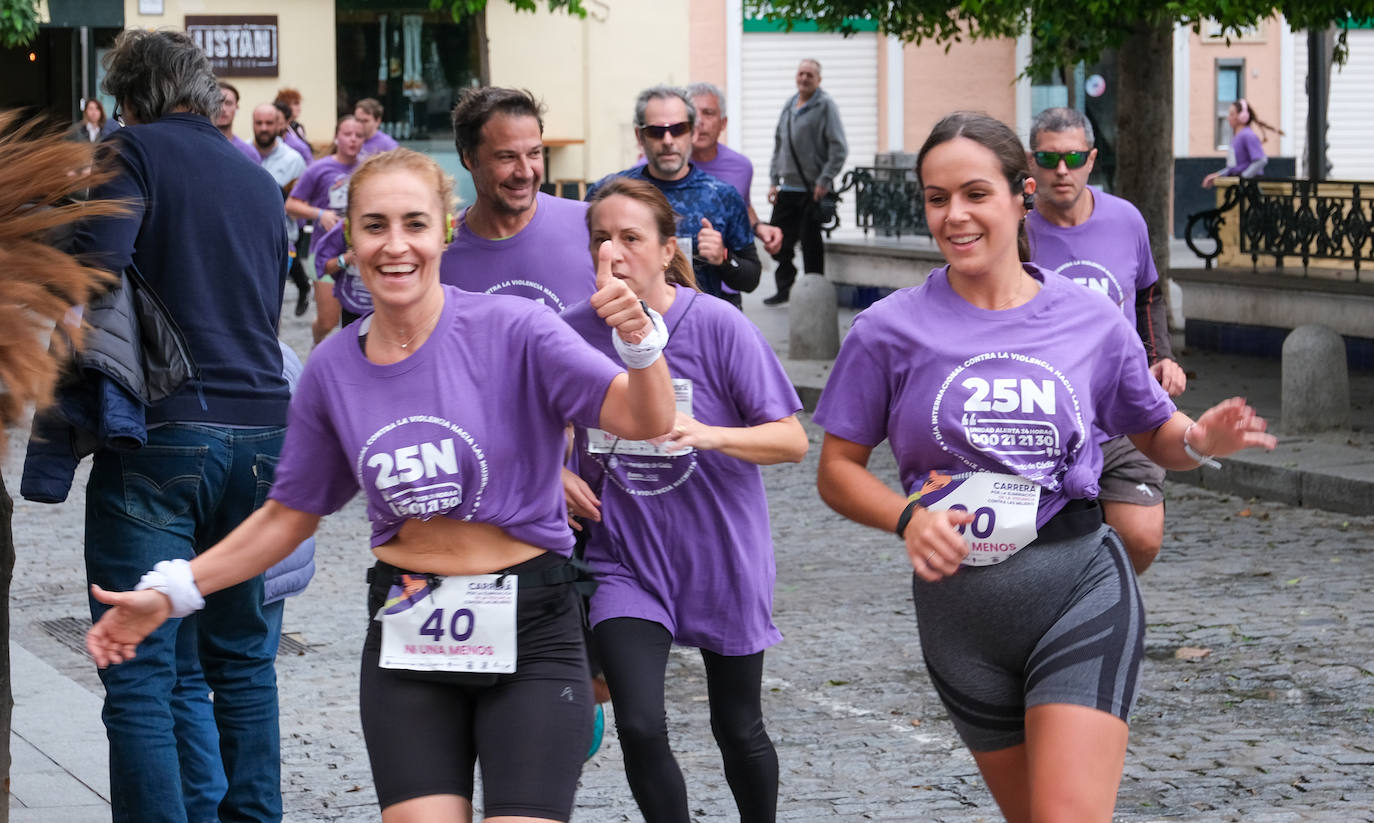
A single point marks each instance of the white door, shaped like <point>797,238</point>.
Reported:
<point>768,68</point>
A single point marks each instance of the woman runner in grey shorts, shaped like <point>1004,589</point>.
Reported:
<point>988,380</point>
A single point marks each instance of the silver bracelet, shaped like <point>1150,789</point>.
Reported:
<point>1194,454</point>
<point>642,355</point>
<point>174,579</point>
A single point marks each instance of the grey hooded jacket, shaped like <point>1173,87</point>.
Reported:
<point>818,137</point>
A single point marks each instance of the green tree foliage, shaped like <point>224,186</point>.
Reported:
<point>18,22</point>
<point>1064,32</point>
<point>461,9</point>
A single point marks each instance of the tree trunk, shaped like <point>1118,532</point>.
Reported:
<point>479,28</point>
<point>6,694</point>
<point>1145,133</point>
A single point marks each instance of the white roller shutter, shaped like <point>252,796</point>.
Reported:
<point>1352,111</point>
<point>1350,116</point>
<point>768,68</point>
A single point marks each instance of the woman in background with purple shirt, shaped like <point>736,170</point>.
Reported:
<point>680,538</point>
<point>1247,157</point>
<point>320,197</point>
<point>447,409</point>
<point>988,380</point>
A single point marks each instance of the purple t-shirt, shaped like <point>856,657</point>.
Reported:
<point>293,140</point>
<point>730,166</point>
<point>380,141</point>
<point>548,261</point>
<point>324,185</point>
<point>246,149</point>
<point>1246,150</point>
<point>954,387</point>
<point>1108,253</point>
<point>348,286</point>
<point>470,426</point>
<point>684,539</point>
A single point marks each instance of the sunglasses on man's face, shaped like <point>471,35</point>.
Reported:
<point>657,132</point>
<point>1072,159</point>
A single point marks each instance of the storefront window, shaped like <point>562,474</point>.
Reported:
<point>408,58</point>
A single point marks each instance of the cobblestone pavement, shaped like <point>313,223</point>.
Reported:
<point>1274,723</point>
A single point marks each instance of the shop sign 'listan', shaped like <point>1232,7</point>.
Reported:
<point>239,45</point>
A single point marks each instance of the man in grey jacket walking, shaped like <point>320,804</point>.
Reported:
<point>808,151</point>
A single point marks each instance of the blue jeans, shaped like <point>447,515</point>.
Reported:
<point>175,755</point>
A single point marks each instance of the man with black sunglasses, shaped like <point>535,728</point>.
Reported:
<point>1101,242</point>
<point>713,220</point>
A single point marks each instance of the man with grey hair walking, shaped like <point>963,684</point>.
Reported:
<point>809,150</point>
<point>208,234</point>
<point>713,220</point>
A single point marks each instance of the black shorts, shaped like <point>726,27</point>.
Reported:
<point>530,730</point>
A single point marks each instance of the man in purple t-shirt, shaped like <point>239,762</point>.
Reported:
<point>722,162</point>
<point>1101,242</point>
<point>514,239</point>
<point>225,122</point>
<point>368,113</point>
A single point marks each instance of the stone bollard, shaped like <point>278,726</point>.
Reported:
<point>1316,383</point>
<point>813,320</point>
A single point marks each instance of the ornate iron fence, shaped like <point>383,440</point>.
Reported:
<point>886,200</point>
<point>1287,218</point>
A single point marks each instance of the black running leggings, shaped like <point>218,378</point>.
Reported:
<point>634,655</point>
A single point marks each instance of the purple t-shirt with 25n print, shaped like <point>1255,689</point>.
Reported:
<point>954,387</point>
<point>470,426</point>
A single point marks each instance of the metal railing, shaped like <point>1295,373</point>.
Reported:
<point>1288,218</point>
<point>887,201</point>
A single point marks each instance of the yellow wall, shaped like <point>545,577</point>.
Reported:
<point>1262,84</point>
<point>305,32</point>
<point>588,72</point>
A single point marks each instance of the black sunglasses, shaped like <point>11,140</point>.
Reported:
<point>657,132</point>
<point>1072,159</point>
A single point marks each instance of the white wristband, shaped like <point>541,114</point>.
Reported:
<point>173,578</point>
<point>1202,459</point>
<point>642,355</point>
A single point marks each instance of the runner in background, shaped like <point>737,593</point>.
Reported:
<point>514,239</point>
<point>1029,615</point>
<point>1101,243</point>
<point>679,535</point>
<point>320,197</point>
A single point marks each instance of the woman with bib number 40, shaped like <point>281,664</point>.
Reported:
<point>447,409</point>
<point>679,538</point>
<point>988,380</point>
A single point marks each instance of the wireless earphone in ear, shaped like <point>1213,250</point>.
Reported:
<point>1027,197</point>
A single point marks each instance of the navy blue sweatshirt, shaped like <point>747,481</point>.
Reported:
<point>206,231</point>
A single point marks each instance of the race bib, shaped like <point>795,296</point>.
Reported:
<point>1004,507</point>
<point>461,624</point>
<point>603,442</point>
<point>338,195</point>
